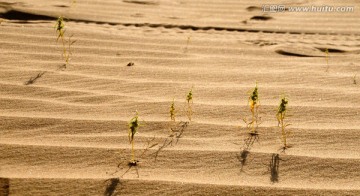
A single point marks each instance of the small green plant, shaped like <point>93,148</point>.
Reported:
<point>172,122</point>
<point>172,111</point>
<point>281,115</point>
<point>176,128</point>
<point>254,104</point>
<point>133,127</point>
<point>189,100</point>
<point>66,44</point>
<point>60,28</point>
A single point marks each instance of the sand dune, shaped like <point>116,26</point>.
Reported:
<point>65,131</point>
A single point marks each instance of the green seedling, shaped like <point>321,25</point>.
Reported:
<point>60,30</point>
<point>189,100</point>
<point>172,111</point>
<point>172,117</point>
<point>176,129</point>
<point>254,104</point>
<point>281,115</point>
<point>133,127</point>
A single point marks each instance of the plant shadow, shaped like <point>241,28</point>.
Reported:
<point>274,168</point>
<point>248,143</point>
<point>111,187</point>
<point>176,134</point>
<point>32,80</point>
<point>4,186</point>
<point>243,158</point>
<point>250,140</point>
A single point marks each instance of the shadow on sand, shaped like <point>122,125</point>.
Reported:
<point>111,187</point>
<point>4,186</point>
<point>274,168</point>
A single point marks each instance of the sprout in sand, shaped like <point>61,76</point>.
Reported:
<point>133,127</point>
<point>254,104</point>
<point>172,111</point>
<point>60,30</point>
<point>189,99</point>
<point>281,114</point>
<point>254,122</point>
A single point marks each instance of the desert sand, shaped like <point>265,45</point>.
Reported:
<point>66,131</point>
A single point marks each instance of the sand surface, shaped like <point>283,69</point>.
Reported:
<point>66,132</point>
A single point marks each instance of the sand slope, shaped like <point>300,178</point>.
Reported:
<point>66,133</point>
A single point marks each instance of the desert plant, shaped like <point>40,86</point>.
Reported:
<point>133,127</point>
<point>176,129</point>
<point>60,28</point>
<point>254,104</point>
<point>172,111</point>
<point>281,115</point>
<point>66,44</point>
<point>189,100</point>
